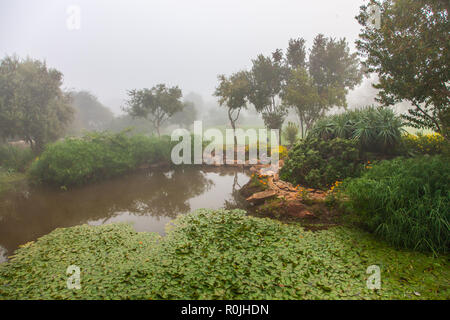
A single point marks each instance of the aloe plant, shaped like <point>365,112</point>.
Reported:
<point>375,129</point>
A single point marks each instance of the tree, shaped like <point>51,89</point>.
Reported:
<point>302,94</point>
<point>185,117</point>
<point>290,133</point>
<point>334,70</point>
<point>90,113</point>
<point>157,104</point>
<point>233,92</point>
<point>266,80</point>
<point>296,54</point>
<point>312,87</point>
<point>32,104</point>
<point>410,52</point>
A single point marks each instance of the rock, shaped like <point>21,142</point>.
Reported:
<point>298,210</point>
<point>253,170</point>
<point>261,196</point>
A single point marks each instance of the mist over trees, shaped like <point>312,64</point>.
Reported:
<point>90,114</point>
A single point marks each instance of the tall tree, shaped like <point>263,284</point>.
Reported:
<point>32,103</point>
<point>410,52</point>
<point>296,54</point>
<point>266,81</point>
<point>157,104</point>
<point>232,93</point>
<point>312,87</point>
<point>334,70</point>
<point>302,94</point>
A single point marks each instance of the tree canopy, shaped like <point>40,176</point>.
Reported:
<point>157,104</point>
<point>315,85</point>
<point>33,106</point>
<point>233,93</point>
<point>266,81</point>
<point>410,53</point>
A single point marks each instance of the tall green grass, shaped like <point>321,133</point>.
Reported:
<point>406,202</point>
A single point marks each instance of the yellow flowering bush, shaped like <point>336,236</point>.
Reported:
<point>282,152</point>
<point>424,144</point>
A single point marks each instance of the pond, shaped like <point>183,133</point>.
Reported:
<point>148,199</point>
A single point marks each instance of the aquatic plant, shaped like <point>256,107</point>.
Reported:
<point>219,255</point>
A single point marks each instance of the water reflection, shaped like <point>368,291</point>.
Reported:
<point>148,199</point>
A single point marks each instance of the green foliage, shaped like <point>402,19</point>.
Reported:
<point>319,163</point>
<point>266,79</point>
<point>157,104</point>
<point>302,94</point>
<point>218,255</point>
<point>406,201</point>
<point>410,53</point>
<point>374,129</point>
<point>15,157</point>
<point>290,132</point>
<point>334,70</point>
<point>76,161</point>
<point>32,104</point>
<point>11,180</point>
<point>431,144</point>
<point>233,92</point>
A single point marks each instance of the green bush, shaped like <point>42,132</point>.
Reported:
<point>16,158</point>
<point>96,156</point>
<point>405,201</point>
<point>290,133</point>
<point>420,144</point>
<point>319,163</point>
<point>375,129</point>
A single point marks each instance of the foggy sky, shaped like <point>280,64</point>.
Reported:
<point>126,44</point>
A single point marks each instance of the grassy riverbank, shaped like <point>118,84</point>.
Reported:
<point>219,255</point>
<point>10,180</point>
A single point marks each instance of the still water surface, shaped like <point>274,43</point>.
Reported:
<point>148,199</point>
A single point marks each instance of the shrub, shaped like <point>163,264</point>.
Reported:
<point>96,156</point>
<point>16,158</point>
<point>405,201</point>
<point>290,133</point>
<point>431,144</point>
<point>318,163</point>
<point>374,129</point>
